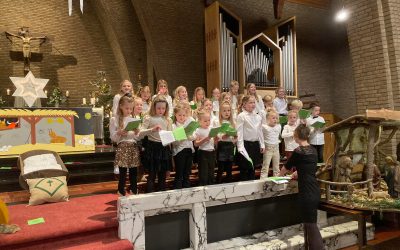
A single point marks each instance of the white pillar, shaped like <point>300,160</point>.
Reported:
<point>198,226</point>
<point>131,227</point>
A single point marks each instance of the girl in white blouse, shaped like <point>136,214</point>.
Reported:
<point>259,104</point>
<point>288,133</point>
<point>158,158</point>
<point>250,142</point>
<point>126,87</point>
<point>162,89</point>
<point>182,151</point>
<point>127,154</point>
<point>226,143</point>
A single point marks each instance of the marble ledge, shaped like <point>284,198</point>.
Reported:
<point>213,195</point>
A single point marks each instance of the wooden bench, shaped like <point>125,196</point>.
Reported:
<point>359,215</point>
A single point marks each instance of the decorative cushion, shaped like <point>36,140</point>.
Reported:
<point>52,189</point>
<point>40,162</point>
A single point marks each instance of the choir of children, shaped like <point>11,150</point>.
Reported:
<point>249,130</point>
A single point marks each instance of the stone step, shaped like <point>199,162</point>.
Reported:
<point>334,236</point>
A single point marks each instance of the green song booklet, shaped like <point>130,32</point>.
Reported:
<point>191,127</point>
<point>283,119</point>
<point>193,106</point>
<point>304,114</point>
<point>133,124</point>
<point>214,132</point>
<point>318,124</point>
<point>36,221</point>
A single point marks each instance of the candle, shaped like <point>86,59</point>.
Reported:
<point>45,92</point>
<point>92,101</point>
<point>110,113</point>
<point>8,91</point>
<point>84,101</point>
<point>67,93</point>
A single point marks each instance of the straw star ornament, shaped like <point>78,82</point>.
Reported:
<point>29,88</point>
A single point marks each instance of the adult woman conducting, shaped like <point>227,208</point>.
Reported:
<point>304,158</point>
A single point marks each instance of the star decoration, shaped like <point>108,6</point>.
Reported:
<point>29,88</point>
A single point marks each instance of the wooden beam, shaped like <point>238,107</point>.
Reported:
<point>321,4</point>
<point>278,8</point>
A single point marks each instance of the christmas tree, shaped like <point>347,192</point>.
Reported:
<point>56,97</point>
<point>103,99</point>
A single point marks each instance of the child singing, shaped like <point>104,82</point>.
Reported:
<point>250,140</point>
<point>158,157</point>
<point>317,139</point>
<point>206,152</point>
<point>145,94</point>
<point>226,143</point>
<point>127,154</point>
<point>162,89</point>
<point>182,150</point>
<point>272,131</point>
<point>126,87</point>
<point>288,132</point>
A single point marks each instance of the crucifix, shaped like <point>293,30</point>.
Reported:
<point>23,34</point>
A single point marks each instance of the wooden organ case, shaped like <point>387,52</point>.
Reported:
<point>223,34</point>
<point>284,35</point>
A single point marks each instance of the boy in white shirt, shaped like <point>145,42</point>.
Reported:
<point>271,131</point>
<point>317,139</point>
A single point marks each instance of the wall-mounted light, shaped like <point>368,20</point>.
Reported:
<point>342,15</point>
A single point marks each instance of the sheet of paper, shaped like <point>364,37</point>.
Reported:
<point>36,221</point>
<point>5,168</point>
<point>167,137</point>
<point>133,124</point>
<point>191,127</point>
<point>214,132</point>
<point>246,155</point>
<point>179,134</point>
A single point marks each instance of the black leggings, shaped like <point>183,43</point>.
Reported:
<point>224,166</point>
<point>132,180</point>
<point>183,167</point>
<point>151,179</point>
<point>320,152</point>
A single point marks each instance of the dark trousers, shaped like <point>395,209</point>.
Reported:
<point>320,152</point>
<point>206,161</point>
<point>312,237</point>
<point>247,173</point>
<point>224,166</point>
<point>132,180</point>
<point>151,179</point>
<point>183,165</point>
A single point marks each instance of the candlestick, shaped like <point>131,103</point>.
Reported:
<point>8,91</point>
<point>67,93</point>
<point>92,101</point>
<point>84,101</point>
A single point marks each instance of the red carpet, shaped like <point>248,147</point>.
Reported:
<point>82,223</point>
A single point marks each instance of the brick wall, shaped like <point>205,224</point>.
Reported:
<point>184,61</point>
<point>374,40</point>
<point>126,38</point>
<point>78,44</point>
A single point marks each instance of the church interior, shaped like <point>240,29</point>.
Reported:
<point>199,124</point>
